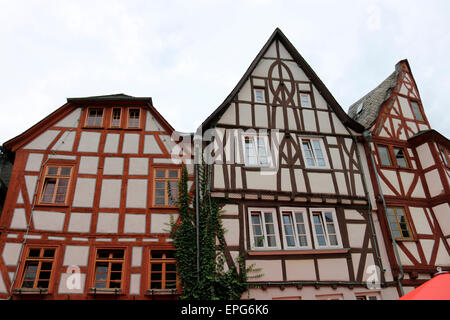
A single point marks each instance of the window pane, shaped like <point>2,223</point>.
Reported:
<point>49,189</point>
<point>52,171</point>
<point>133,121</point>
<point>305,100</point>
<point>268,217</point>
<point>321,241</point>
<point>65,171</point>
<point>400,156</point>
<point>160,174</point>
<point>416,110</point>
<point>308,154</point>
<point>100,284</point>
<point>384,156</point>
<point>271,241</point>
<point>156,267</point>
<point>173,173</point>
<point>34,253</point>
<point>171,267</point>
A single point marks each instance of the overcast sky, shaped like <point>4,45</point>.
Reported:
<point>189,55</point>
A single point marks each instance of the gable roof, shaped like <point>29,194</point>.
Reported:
<point>371,102</point>
<point>111,97</point>
<point>278,35</point>
<point>71,105</point>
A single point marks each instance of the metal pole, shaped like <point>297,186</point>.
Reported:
<point>197,197</point>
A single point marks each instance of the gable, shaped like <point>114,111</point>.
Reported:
<point>284,75</point>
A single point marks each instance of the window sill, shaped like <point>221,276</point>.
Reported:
<point>154,292</point>
<point>297,252</point>
<point>53,205</point>
<point>106,291</point>
<point>30,291</point>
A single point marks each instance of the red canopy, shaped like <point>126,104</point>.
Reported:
<point>437,288</point>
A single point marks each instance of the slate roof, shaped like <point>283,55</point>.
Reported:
<point>373,100</point>
<point>110,97</point>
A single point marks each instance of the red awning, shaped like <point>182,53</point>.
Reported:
<point>437,288</point>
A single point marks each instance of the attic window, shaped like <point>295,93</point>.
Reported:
<point>95,117</point>
<point>305,100</point>
<point>416,110</point>
<point>259,95</point>
<point>360,108</point>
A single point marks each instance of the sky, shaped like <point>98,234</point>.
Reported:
<point>189,55</point>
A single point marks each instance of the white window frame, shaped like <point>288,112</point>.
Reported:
<point>322,211</point>
<point>309,99</point>
<point>255,90</point>
<point>273,212</point>
<point>322,148</point>
<point>255,138</point>
<point>292,211</point>
<point>368,295</point>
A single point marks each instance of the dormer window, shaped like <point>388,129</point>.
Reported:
<point>360,108</point>
<point>116,117</point>
<point>134,118</point>
<point>259,95</point>
<point>95,117</point>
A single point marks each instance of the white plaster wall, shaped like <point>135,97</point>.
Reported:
<point>88,165</point>
<point>107,222</point>
<point>442,213</point>
<point>130,143</point>
<point>152,124</point>
<point>79,222</point>
<point>356,233</point>
<point>19,220</point>
<point>420,220</point>
<point>10,254</point>
<point>270,270</point>
<point>160,222</point>
<point>112,143</point>
<point>321,182</point>
<point>135,283</point>
<point>34,162</point>
<point>134,223</point>
<point>310,120</point>
<point>89,142</point>
<point>333,269</point>
<point>48,221</point>
<point>136,193</point>
<point>231,231</point>
<point>110,193</point>
<point>76,256</point>
<point>71,120</point>
<point>84,192</point>
<point>229,116</point>
<point>434,183</point>
<point>138,166</point>
<point>151,146</point>
<point>300,270</point>
<point>113,166</point>
<point>65,143</point>
<point>426,159</point>
<point>255,180</point>
<point>245,114</point>
<point>30,184</point>
<point>67,279</point>
<point>43,140</point>
<point>136,257</point>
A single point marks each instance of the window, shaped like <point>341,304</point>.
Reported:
<point>95,117</point>
<point>259,95</point>
<point>313,153</point>
<point>116,118</point>
<point>385,157</point>
<point>398,223</point>
<point>263,229</point>
<point>400,157</point>
<point>256,151</point>
<point>166,187</point>
<point>55,186</point>
<point>295,228</point>
<point>416,111</point>
<point>367,296</point>
<point>38,268</point>
<point>163,270</point>
<point>325,228</point>
<point>109,265</point>
<point>133,118</point>
<point>305,100</point>
<point>338,296</point>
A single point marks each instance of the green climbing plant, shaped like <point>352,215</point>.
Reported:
<point>211,281</point>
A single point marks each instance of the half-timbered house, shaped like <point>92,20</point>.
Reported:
<point>288,170</point>
<point>89,204</point>
<point>410,172</point>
